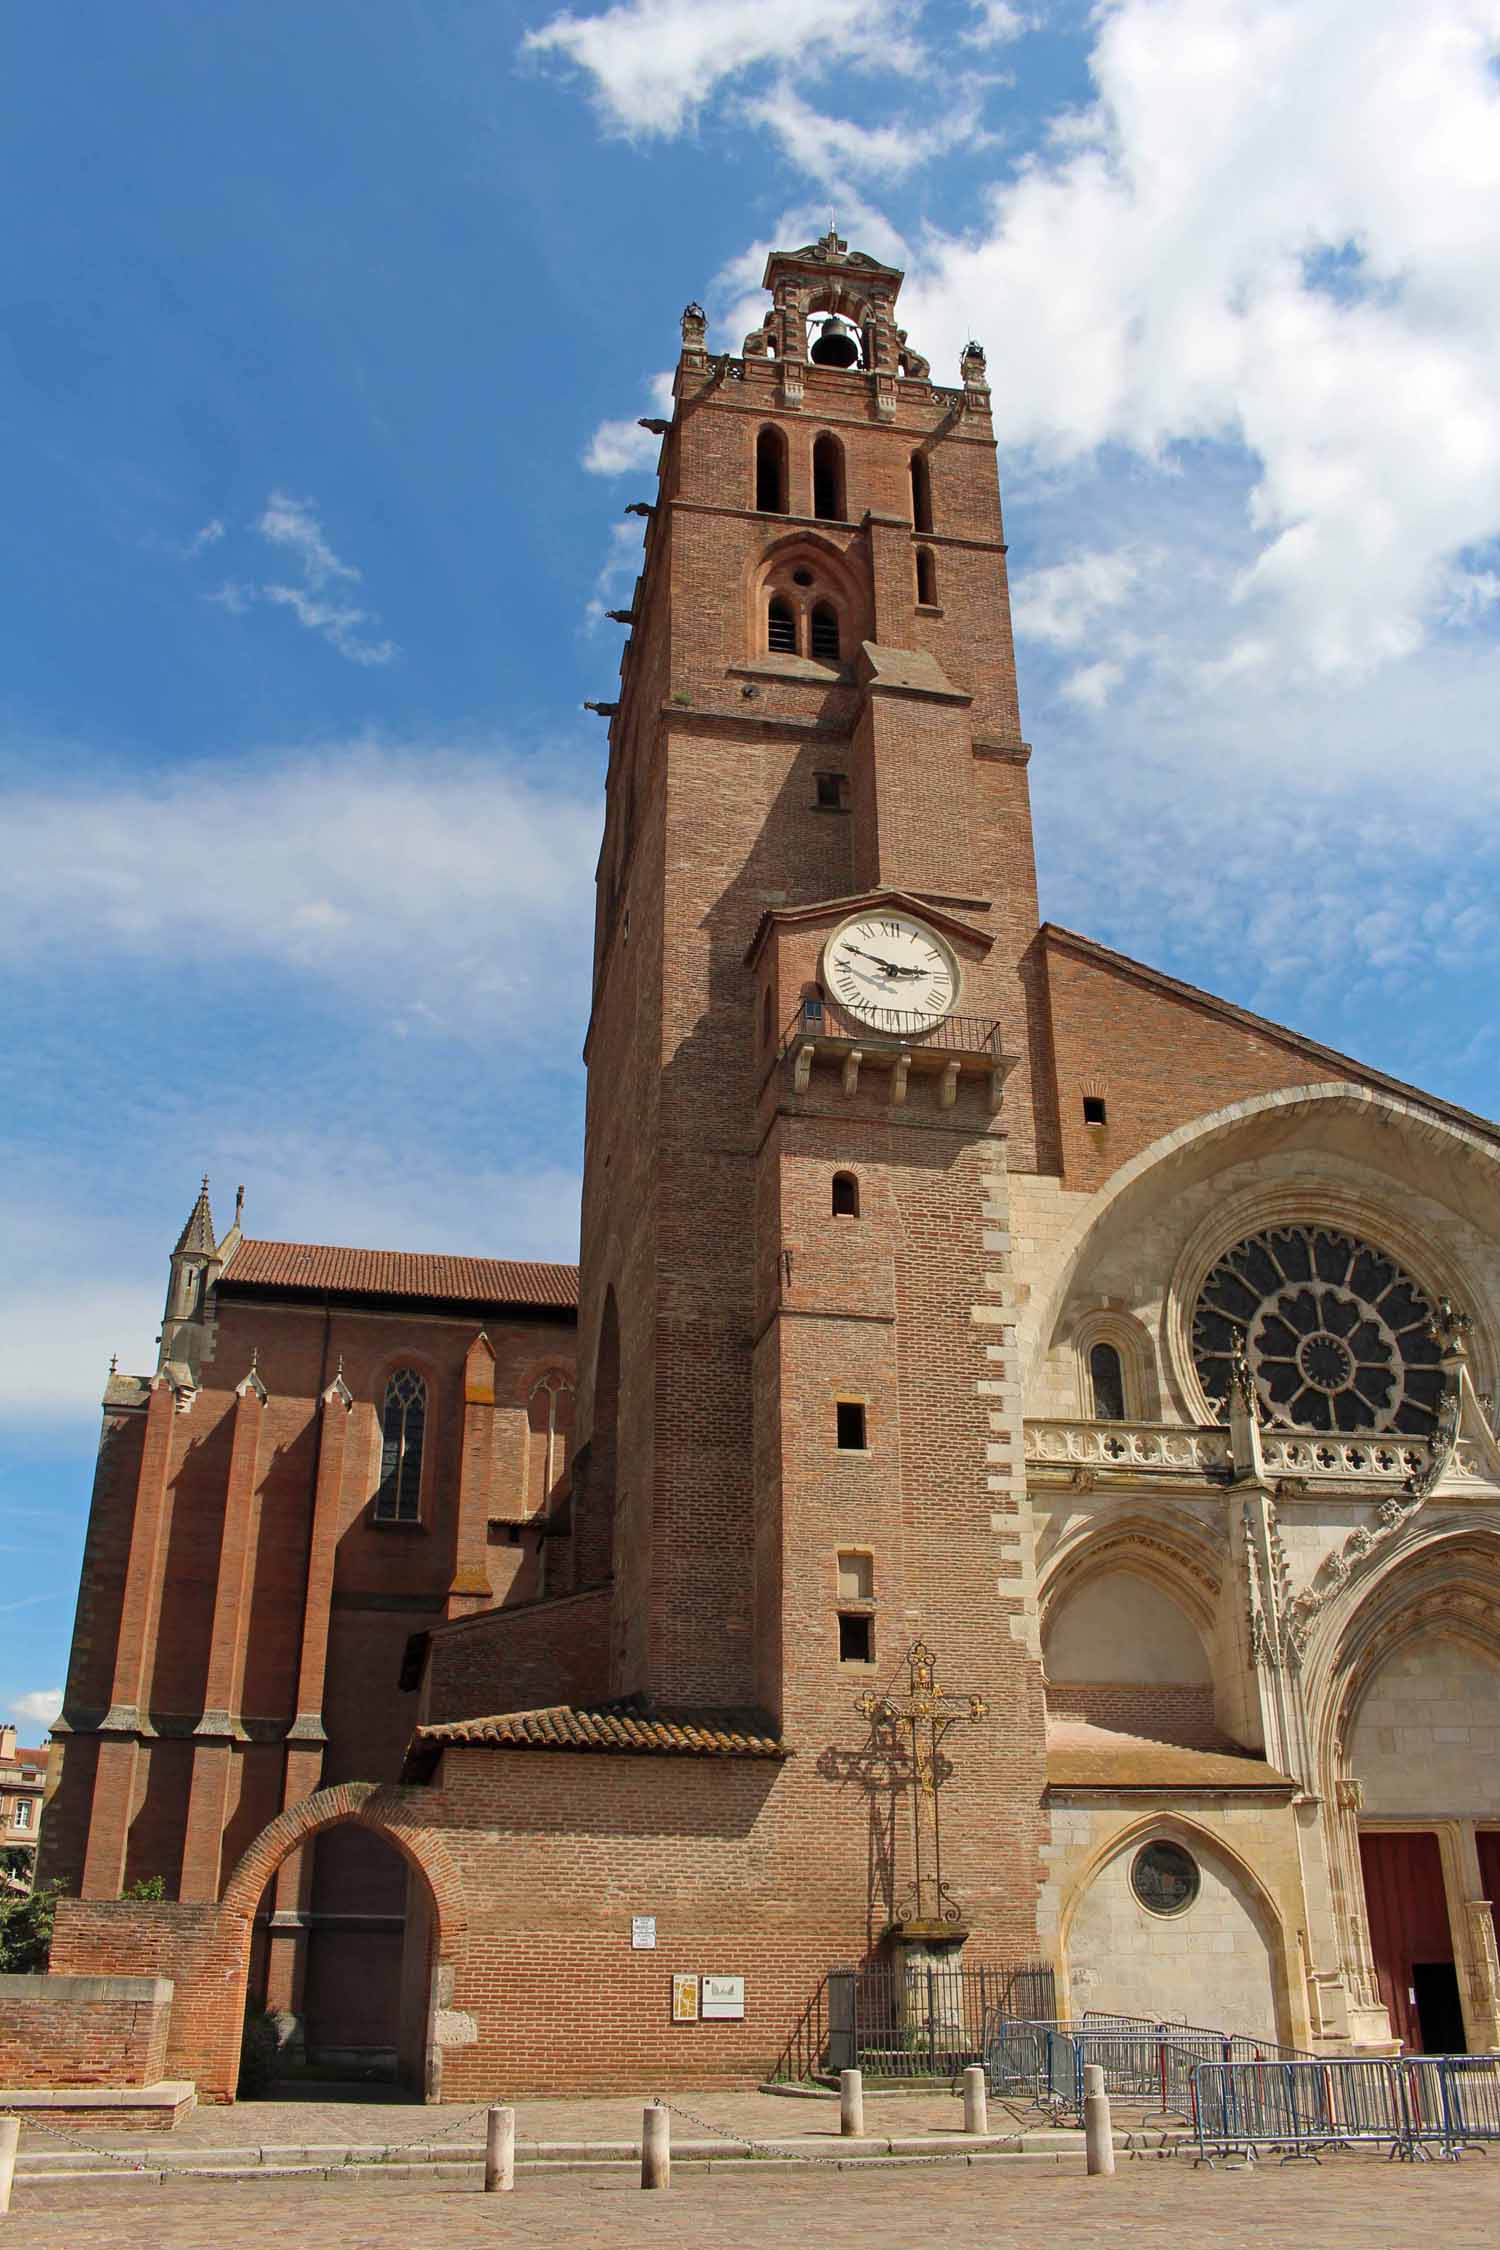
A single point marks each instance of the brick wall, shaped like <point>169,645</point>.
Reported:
<point>513,1660</point>
<point>66,2031</point>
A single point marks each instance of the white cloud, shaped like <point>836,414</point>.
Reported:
<point>318,604</point>
<point>434,862</point>
<point>997,24</point>
<point>654,63</point>
<point>616,447</point>
<point>1093,684</point>
<point>839,149</point>
<point>1277,225</point>
<point>293,524</point>
<point>209,536</point>
<point>38,1707</point>
<point>1061,603</point>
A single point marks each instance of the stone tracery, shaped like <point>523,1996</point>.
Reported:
<point>1338,1336</point>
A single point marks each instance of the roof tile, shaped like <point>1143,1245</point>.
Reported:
<point>401,1273</point>
<point>610,1727</point>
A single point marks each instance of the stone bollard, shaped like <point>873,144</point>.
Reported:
<point>10,2133</point>
<point>1098,2132</point>
<point>499,2151</point>
<point>656,2147</point>
<point>852,2104</point>
<point>976,2105</point>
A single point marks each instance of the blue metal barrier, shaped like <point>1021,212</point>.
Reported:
<point>1142,2060</point>
<point>1411,2106</point>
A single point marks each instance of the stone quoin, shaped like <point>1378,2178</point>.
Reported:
<point>946,1278</point>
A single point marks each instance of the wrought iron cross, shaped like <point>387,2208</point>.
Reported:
<point>929,1713</point>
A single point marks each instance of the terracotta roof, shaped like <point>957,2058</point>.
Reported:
<point>36,1759</point>
<point>400,1273</point>
<point>1088,1757</point>
<point>609,1727</point>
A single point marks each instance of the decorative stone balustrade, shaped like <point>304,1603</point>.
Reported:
<point>1162,1449</point>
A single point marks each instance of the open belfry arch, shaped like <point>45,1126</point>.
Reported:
<point>959,1301</point>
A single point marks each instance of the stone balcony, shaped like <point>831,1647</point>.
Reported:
<point>1082,1454</point>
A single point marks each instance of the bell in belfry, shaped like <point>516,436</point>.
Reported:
<point>837,345</point>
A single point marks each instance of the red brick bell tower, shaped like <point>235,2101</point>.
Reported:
<point>810,1060</point>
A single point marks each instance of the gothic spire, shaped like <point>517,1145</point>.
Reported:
<point>198,1234</point>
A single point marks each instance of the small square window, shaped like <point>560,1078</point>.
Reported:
<point>1093,1110</point>
<point>856,1577</point>
<point>831,791</point>
<point>851,1425</point>
<point>856,1639</point>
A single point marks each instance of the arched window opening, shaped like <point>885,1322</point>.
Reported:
<point>770,472</point>
<point>549,1444</point>
<point>845,1195</point>
<point>825,634</point>
<point>828,478</point>
<point>781,628</point>
<point>926,578</point>
<point>1107,1381</point>
<point>403,1430</point>
<point>921,493</point>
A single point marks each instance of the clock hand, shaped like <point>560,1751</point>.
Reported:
<point>887,968</point>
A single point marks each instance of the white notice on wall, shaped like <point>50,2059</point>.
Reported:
<point>643,1932</point>
<point>722,1997</point>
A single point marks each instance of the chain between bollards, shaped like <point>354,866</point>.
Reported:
<point>1098,2132</point>
<point>656,2146</point>
<point>499,2151</point>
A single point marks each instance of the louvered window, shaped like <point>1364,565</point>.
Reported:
<point>781,629</point>
<point>825,634</point>
<point>403,1427</point>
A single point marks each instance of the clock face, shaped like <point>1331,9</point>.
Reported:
<point>891,972</point>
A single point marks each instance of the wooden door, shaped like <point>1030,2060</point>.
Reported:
<point>1408,1910</point>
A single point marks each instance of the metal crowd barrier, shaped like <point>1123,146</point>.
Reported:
<point>1411,2105</point>
<point>1142,2060</point>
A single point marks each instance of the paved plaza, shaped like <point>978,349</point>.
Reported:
<point>1347,2201</point>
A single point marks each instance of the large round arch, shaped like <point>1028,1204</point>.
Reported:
<point>1434,1152</point>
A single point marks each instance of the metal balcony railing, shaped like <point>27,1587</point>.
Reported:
<point>894,1027</point>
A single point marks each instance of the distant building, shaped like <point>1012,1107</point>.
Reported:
<point>22,1775</point>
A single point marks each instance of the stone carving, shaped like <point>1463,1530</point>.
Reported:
<point>912,364</point>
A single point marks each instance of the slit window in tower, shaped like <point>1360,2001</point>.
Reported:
<point>828,478</point>
<point>832,792</point>
<point>926,578</point>
<point>921,493</point>
<point>1107,1380</point>
<point>770,472</point>
<point>403,1429</point>
<point>845,1196</point>
<point>825,634</point>
<point>781,628</point>
<point>851,1425</point>
<point>1094,1110</point>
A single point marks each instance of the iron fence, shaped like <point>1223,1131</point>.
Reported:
<point>923,2019</point>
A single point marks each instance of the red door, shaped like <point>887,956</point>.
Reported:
<point>1411,1938</point>
<point>1488,1840</point>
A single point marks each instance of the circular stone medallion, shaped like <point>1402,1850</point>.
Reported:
<point>1164,1878</point>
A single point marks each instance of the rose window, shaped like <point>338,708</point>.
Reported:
<point>1337,1335</point>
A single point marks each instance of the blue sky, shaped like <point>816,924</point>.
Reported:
<point>324,334</point>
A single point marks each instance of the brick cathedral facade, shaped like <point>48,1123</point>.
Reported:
<point>947,1281</point>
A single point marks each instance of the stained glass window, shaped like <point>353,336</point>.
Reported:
<point>403,1426</point>
<point>1336,1333</point>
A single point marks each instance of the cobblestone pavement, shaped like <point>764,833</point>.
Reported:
<point>1347,2201</point>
